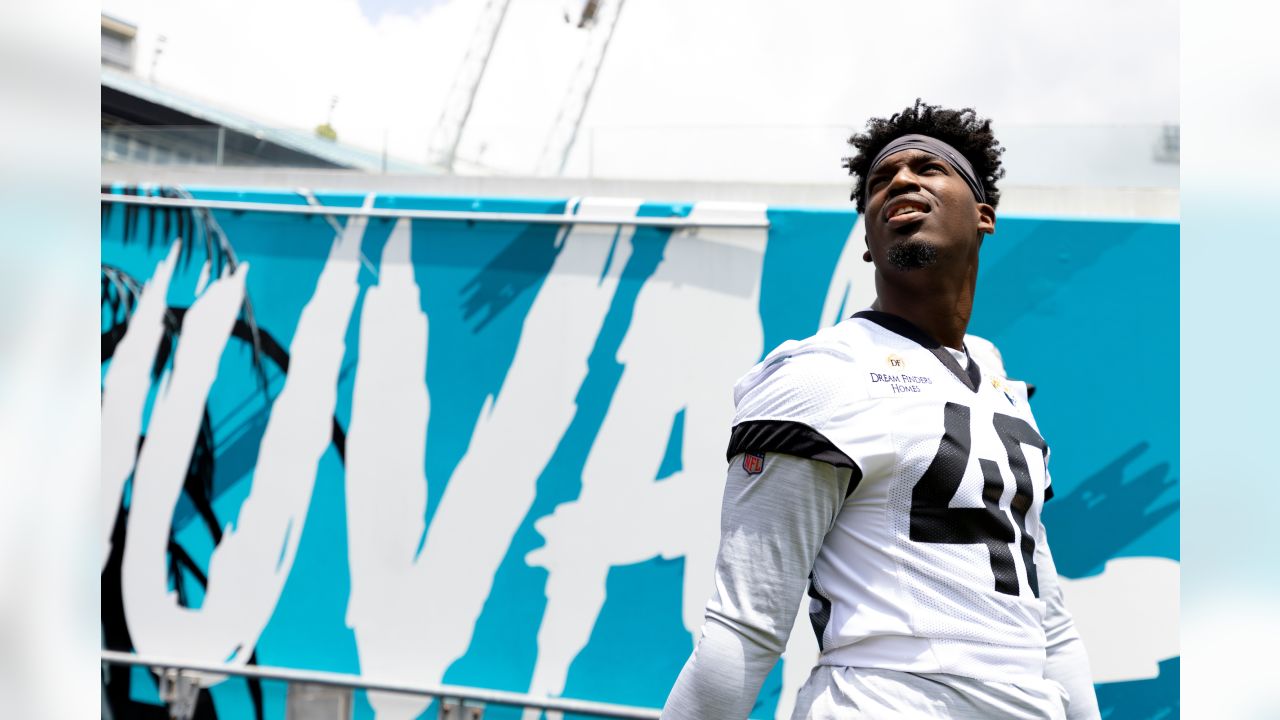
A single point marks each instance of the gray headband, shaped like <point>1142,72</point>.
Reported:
<point>935,147</point>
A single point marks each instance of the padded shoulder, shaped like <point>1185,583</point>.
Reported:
<point>784,402</point>
<point>802,381</point>
<point>986,353</point>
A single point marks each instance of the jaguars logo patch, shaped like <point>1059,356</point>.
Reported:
<point>999,384</point>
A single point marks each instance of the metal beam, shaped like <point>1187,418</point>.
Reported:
<point>466,84</point>
<point>600,23</point>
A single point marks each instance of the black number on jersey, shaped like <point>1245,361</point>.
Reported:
<point>934,521</point>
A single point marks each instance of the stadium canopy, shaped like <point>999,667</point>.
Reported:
<point>142,118</point>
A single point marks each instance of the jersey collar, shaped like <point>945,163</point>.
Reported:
<point>971,378</point>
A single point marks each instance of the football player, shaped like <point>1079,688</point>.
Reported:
<point>889,468</point>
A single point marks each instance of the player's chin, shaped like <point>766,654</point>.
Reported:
<point>912,253</point>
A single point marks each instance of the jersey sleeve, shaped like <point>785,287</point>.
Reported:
<point>1067,663</point>
<point>784,403</point>
<point>772,525</point>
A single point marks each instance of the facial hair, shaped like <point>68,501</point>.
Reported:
<point>912,255</point>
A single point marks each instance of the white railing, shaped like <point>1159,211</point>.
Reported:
<point>464,695</point>
<point>498,217</point>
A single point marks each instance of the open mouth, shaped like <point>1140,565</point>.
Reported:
<point>905,212</point>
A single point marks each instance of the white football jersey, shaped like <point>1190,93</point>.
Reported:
<point>929,565</point>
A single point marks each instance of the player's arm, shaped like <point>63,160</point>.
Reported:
<point>1067,662</point>
<point>772,526</point>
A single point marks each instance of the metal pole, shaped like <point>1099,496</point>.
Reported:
<point>222,139</point>
<point>355,682</point>
<point>591,86</point>
<point>531,218</point>
<point>564,131</point>
<point>466,84</point>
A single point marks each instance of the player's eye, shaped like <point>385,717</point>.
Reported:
<point>933,167</point>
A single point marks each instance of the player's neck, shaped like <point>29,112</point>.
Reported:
<point>941,309</point>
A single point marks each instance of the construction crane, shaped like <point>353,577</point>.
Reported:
<point>462,94</point>
<point>599,18</point>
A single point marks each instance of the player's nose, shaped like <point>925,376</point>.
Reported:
<point>904,180</point>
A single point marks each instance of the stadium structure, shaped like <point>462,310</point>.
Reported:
<point>401,438</point>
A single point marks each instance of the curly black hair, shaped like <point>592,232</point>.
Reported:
<point>961,129</point>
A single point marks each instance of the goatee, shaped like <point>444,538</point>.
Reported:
<point>912,255</point>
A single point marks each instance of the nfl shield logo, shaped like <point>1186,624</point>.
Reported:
<point>753,463</point>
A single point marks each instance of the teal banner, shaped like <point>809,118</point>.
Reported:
<point>490,454</point>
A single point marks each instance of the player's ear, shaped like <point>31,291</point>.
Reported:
<point>986,218</point>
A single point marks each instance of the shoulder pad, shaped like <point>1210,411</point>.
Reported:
<point>985,353</point>
<point>799,381</point>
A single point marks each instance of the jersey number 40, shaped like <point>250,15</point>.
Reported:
<point>934,521</point>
